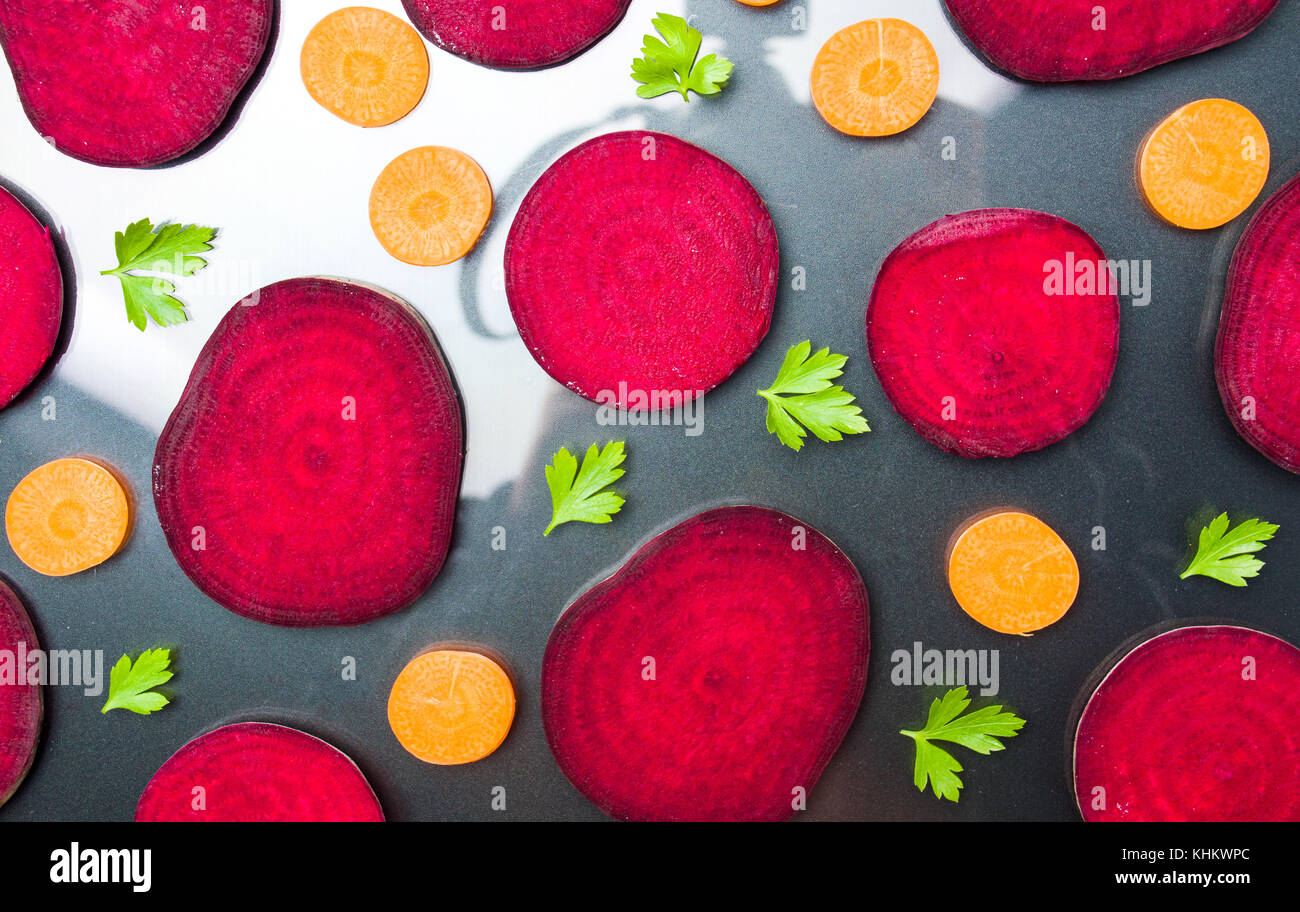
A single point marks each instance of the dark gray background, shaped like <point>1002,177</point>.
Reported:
<point>1159,451</point>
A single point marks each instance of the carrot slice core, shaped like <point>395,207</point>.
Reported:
<point>1011,572</point>
<point>451,706</point>
<point>430,205</point>
<point>1204,164</point>
<point>365,65</point>
<point>876,78</point>
<point>67,516</point>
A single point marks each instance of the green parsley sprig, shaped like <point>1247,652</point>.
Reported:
<point>578,495</point>
<point>803,396</point>
<point>669,63</point>
<point>1227,555</point>
<point>168,250</point>
<point>979,731</point>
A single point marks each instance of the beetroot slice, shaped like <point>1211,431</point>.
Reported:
<point>257,772</point>
<point>131,84</point>
<point>972,345</point>
<point>639,264</point>
<point>21,706</point>
<point>1197,724</point>
<point>519,35</point>
<point>759,650</point>
<point>1061,41</point>
<point>31,289</point>
<point>309,475</point>
<point>1257,355</point>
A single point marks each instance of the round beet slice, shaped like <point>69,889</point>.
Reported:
<point>995,332</point>
<point>31,289</point>
<point>132,84</point>
<point>309,475</point>
<point>1067,40</point>
<point>641,265</point>
<point>257,772</point>
<point>519,35</point>
<point>713,675</point>
<point>1257,355</point>
<point>21,706</point>
<point>1196,724</point>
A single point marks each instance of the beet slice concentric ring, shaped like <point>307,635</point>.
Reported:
<point>31,297</point>
<point>1257,354</point>
<point>519,35</point>
<point>253,772</point>
<point>713,675</point>
<point>132,84</point>
<point>1196,724</point>
<point>309,475</point>
<point>21,705</point>
<point>977,348</point>
<point>1067,40</point>
<point>639,262</point>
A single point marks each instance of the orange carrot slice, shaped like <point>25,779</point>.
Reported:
<point>67,516</point>
<point>451,706</point>
<point>1011,572</point>
<point>876,78</point>
<point>429,205</point>
<point>1204,164</point>
<point>365,65</point>
<point>759,2</point>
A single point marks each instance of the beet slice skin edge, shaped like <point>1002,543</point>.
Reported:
<point>309,474</point>
<point>31,297</point>
<point>519,35</point>
<point>257,772</point>
<point>1257,353</point>
<point>1196,724</point>
<point>713,675</point>
<point>639,263</point>
<point>21,704</point>
<point>1065,41</point>
<point>976,342</point>
<point>134,84</point>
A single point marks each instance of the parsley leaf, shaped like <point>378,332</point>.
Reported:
<point>1225,554</point>
<point>577,495</point>
<point>669,64</point>
<point>979,731</point>
<point>131,686</point>
<point>803,396</point>
<point>169,250</point>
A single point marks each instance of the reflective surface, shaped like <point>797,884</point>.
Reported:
<point>288,186</point>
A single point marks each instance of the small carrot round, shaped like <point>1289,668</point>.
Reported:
<point>451,706</point>
<point>1204,164</point>
<point>1011,572</point>
<point>759,2</point>
<point>365,65</point>
<point>430,205</point>
<point>67,516</point>
<point>876,78</point>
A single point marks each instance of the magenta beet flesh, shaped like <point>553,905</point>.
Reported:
<point>309,475</point>
<point>639,263</point>
<point>1197,724</point>
<point>257,772</point>
<point>31,297</point>
<point>519,35</point>
<point>20,703</point>
<point>1257,358</point>
<point>131,84</point>
<point>972,345</point>
<point>713,675</point>
<point>1064,40</point>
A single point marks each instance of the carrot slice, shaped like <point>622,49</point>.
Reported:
<point>365,65</point>
<point>759,2</point>
<point>451,706</point>
<point>430,205</point>
<point>1204,164</point>
<point>1011,572</point>
<point>67,516</point>
<point>876,78</point>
